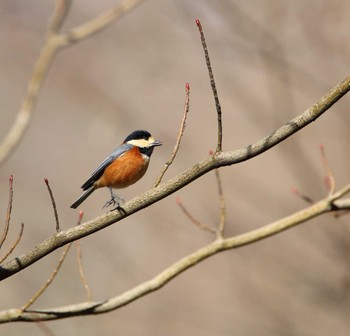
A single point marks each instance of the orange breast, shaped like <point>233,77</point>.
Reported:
<point>123,171</point>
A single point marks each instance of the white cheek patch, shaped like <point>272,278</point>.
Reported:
<point>141,142</point>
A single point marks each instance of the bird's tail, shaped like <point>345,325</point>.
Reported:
<point>83,197</point>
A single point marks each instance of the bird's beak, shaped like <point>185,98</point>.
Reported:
<point>156,143</point>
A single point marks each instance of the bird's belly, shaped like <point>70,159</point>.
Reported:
<point>121,174</point>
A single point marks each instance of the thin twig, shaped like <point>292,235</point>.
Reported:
<point>82,273</point>
<point>213,87</point>
<point>49,280</point>
<point>222,205</point>
<point>99,23</point>
<point>179,137</point>
<point>304,197</point>
<point>195,221</point>
<point>80,264</point>
<point>329,179</point>
<point>44,328</point>
<point>14,245</point>
<point>53,205</point>
<point>219,232</point>
<point>8,213</point>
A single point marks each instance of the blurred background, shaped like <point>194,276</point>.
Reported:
<point>272,59</point>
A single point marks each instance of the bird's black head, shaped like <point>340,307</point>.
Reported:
<point>138,135</point>
<point>143,140</point>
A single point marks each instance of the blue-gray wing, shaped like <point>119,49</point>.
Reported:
<point>101,168</point>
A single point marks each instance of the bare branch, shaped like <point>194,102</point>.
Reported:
<point>222,205</point>
<point>326,205</point>
<point>329,179</point>
<point>14,245</point>
<point>165,189</point>
<point>55,42</point>
<point>49,280</point>
<point>179,137</point>
<point>17,130</point>
<point>219,232</point>
<point>82,273</point>
<point>99,23</point>
<point>8,213</point>
<point>195,221</point>
<point>61,11</point>
<point>44,328</point>
<point>304,197</point>
<point>80,264</point>
<point>213,87</point>
<point>53,205</point>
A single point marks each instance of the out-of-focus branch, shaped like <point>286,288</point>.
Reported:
<point>80,264</point>
<point>222,205</point>
<point>49,280</point>
<point>14,245</point>
<point>194,220</point>
<point>54,43</point>
<point>99,23</point>
<point>329,178</point>
<point>21,123</point>
<point>326,205</point>
<point>8,213</point>
<point>151,196</point>
<point>61,11</point>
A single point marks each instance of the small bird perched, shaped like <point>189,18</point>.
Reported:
<point>124,167</point>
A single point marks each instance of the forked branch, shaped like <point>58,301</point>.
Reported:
<point>54,43</point>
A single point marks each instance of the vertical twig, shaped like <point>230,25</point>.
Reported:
<point>179,137</point>
<point>53,205</point>
<point>213,87</point>
<point>44,328</point>
<point>222,205</point>
<point>8,213</point>
<point>80,264</point>
<point>330,180</point>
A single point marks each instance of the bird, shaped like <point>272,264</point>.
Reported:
<point>123,167</point>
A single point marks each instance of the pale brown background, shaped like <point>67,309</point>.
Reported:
<point>272,59</point>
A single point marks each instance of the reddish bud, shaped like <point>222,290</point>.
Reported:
<point>11,178</point>
<point>327,181</point>
<point>81,214</point>
<point>295,190</point>
<point>211,152</point>
<point>46,181</point>
<point>321,147</point>
<point>178,200</point>
<point>187,86</point>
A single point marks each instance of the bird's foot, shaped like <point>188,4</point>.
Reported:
<point>115,200</point>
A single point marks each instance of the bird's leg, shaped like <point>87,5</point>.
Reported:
<point>115,199</point>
